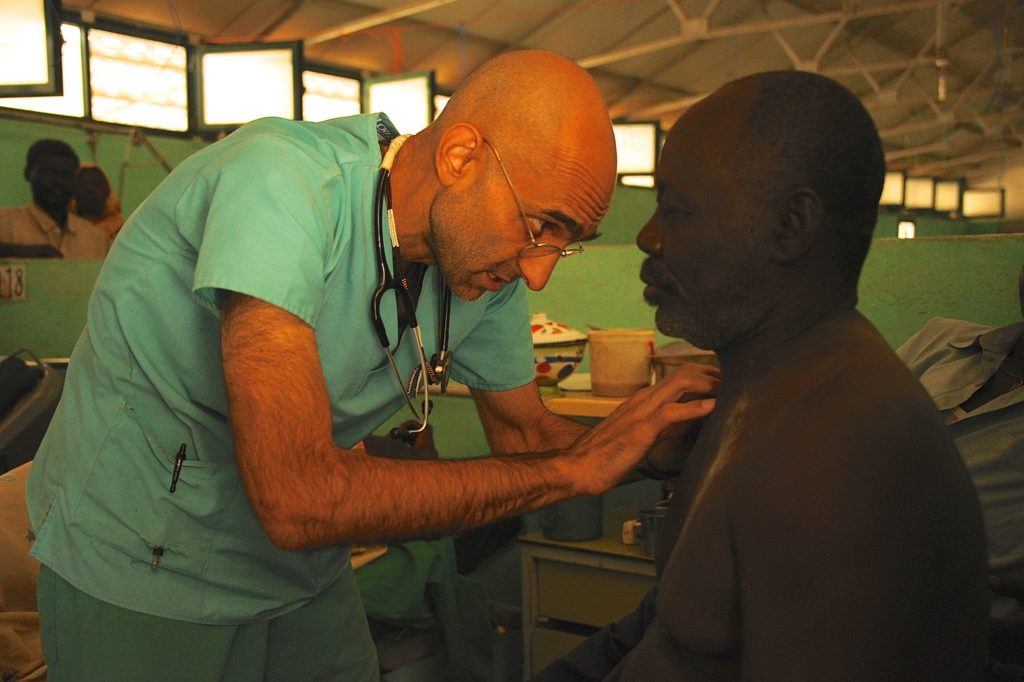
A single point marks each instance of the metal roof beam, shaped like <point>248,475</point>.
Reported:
<point>375,19</point>
<point>898,154</point>
<point>946,119</point>
<point>677,9</point>
<point>710,9</point>
<point>863,69</point>
<point>963,161</point>
<point>852,12</point>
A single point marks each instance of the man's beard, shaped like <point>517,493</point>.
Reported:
<point>451,256</point>
<point>713,314</point>
<point>711,326</point>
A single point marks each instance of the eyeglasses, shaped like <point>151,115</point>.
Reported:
<point>535,249</point>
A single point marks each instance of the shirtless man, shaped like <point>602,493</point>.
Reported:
<point>824,527</point>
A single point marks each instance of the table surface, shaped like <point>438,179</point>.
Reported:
<point>582,404</point>
<point>610,542</point>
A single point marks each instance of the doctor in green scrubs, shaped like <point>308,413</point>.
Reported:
<point>195,495</point>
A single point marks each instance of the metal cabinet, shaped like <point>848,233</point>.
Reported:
<point>571,589</point>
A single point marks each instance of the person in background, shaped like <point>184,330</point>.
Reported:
<point>196,493</point>
<point>975,375</point>
<point>46,227</point>
<point>94,200</point>
<point>823,526</point>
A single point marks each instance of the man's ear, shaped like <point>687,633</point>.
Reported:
<point>798,226</point>
<point>457,152</point>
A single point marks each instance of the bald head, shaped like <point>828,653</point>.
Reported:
<point>802,129</point>
<point>546,115</point>
<point>522,155</point>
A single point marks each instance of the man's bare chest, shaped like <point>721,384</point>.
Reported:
<point>697,602</point>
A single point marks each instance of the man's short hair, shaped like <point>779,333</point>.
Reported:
<point>45,146</point>
<point>807,130</point>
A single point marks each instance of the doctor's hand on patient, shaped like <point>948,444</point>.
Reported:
<point>664,412</point>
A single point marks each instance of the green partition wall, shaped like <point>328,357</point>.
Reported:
<point>904,283</point>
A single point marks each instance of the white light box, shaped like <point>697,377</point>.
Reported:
<point>328,96</point>
<point>947,196</point>
<point>138,82</point>
<point>919,193</point>
<point>243,84</point>
<point>636,145</point>
<point>72,102</point>
<point>983,203</point>
<point>407,101</point>
<point>637,180</point>
<point>906,229</point>
<point>28,32</point>
<point>892,190</point>
<point>440,102</point>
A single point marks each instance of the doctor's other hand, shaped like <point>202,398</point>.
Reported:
<point>611,449</point>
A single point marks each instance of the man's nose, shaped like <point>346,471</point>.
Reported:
<point>537,271</point>
<point>649,240</point>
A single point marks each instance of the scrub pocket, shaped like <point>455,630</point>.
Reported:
<point>126,501</point>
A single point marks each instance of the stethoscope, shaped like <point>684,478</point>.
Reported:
<point>436,372</point>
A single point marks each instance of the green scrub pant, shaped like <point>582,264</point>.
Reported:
<point>87,639</point>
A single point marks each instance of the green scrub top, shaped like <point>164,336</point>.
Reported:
<point>283,211</point>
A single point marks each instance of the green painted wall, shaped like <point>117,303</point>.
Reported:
<point>905,282</point>
<point>52,317</point>
<point>633,205</point>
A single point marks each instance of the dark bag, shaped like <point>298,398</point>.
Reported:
<point>17,380</point>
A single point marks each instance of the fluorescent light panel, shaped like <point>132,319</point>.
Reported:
<point>440,102</point>
<point>947,196</point>
<point>245,84</point>
<point>983,203</point>
<point>328,96</point>
<point>919,193</point>
<point>636,146</point>
<point>138,82</point>
<point>72,102</point>
<point>637,180</point>
<point>406,101</point>
<point>892,190</point>
<point>24,57</point>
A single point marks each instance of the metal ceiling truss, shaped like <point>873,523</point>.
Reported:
<point>375,19</point>
<point>694,28</point>
<point>697,30</point>
<point>934,52</point>
<point>883,94</point>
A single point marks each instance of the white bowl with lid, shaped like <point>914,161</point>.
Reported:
<point>557,349</point>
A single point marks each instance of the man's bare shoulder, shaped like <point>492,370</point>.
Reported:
<point>848,390</point>
<point>88,231</point>
<point>13,212</point>
<point>17,227</point>
<point>852,436</point>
